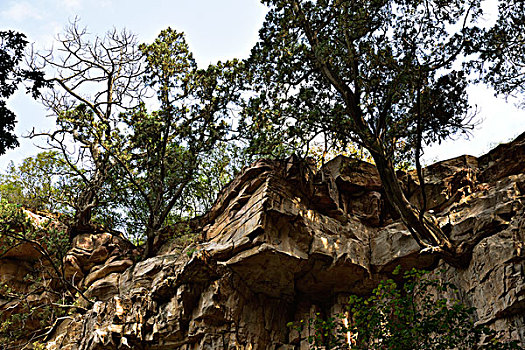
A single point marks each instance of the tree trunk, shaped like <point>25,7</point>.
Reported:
<point>149,249</point>
<point>83,213</point>
<point>152,229</point>
<point>426,232</point>
<point>83,216</point>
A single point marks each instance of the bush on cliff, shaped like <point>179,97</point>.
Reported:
<point>413,313</point>
<point>34,292</point>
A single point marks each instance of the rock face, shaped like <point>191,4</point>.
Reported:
<point>283,242</point>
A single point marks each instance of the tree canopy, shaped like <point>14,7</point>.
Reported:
<point>387,75</point>
<point>502,51</point>
<point>12,45</point>
<point>11,52</point>
<point>164,150</point>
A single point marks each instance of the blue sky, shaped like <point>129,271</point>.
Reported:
<point>215,30</point>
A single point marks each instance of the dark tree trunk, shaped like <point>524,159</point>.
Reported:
<point>425,231</point>
<point>152,229</point>
<point>87,200</point>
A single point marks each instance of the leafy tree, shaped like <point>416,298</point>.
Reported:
<point>114,143</point>
<point>378,73</point>
<point>11,50</point>
<point>502,51</point>
<point>216,169</point>
<point>94,82</point>
<point>164,151</point>
<point>12,46</point>
<point>42,182</point>
<point>30,310</point>
<point>412,313</point>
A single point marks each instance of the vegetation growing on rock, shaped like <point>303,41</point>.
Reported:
<point>384,76</point>
<point>410,313</point>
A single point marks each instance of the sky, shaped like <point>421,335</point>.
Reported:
<point>215,30</point>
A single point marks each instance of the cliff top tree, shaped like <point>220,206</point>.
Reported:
<point>94,82</point>
<point>165,150</point>
<point>380,73</point>
<point>502,59</point>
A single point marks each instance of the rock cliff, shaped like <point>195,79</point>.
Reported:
<point>284,241</point>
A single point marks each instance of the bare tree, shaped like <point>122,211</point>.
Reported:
<point>94,81</point>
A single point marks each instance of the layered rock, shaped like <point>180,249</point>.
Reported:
<point>26,276</point>
<point>283,242</point>
<point>93,258</point>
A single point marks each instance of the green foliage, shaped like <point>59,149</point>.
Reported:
<point>359,71</point>
<point>38,346</point>
<point>190,252</point>
<point>216,169</point>
<point>41,182</point>
<point>25,316</point>
<point>12,218</point>
<point>412,313</point>
<point>48,237</point>
<point>174,157</point>
<point>12,46</point>
<point>46,182</point>
<point>502,59</point>
<point>321,154</point>
<point>28,322</point>
<point>11,52</point>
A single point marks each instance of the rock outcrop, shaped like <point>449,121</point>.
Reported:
<point>284,241</point>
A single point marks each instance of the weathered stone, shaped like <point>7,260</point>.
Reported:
<point>24,251</point>
<point>504,160</point>
<point>283,243</point>
<point>103,271</point>
<point>446,182</point>
<point>13,273</point>
<point>105,288</point>
<point>393,245</point>
<point>72,268</point>
<point>95,249</point>
<point>353,175</point>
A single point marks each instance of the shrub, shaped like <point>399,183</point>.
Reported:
<point>409,314</point>
<point>31,303</point>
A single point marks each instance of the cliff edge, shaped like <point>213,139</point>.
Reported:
<point>284,241</point>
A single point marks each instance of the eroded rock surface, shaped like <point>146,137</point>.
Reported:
<point>283,242</point>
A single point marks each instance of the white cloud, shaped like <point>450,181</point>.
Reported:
<point>71,4</point>
<point>105,3</point>
<point>45,35</point>
<point>21,11</point>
